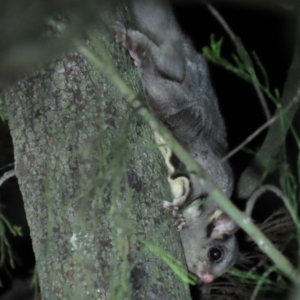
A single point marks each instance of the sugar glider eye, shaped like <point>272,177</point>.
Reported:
<point>215,254</point>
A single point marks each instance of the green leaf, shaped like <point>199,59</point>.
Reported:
<point>174,264</point>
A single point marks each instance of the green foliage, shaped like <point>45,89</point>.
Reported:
<point>6,254</point>
<point>35,284</point>
<point>174,264</point>
<point>243,66</point>
<point>268,278</point>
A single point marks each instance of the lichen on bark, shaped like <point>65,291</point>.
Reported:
<point>93,183</point>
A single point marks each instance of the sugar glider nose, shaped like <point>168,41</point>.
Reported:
<point>206,277</point>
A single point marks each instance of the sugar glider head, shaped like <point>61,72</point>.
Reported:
<point>209,243</point>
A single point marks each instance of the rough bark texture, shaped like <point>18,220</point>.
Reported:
<point>93,183</point>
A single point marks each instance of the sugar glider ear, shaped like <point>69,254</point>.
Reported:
<point>223,225</point>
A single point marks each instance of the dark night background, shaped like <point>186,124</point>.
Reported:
<point>270,33</point>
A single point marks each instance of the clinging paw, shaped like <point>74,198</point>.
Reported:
<point>179,218</point>
<point>131,40</point>
<point>179,222</point>
<point>120,33</point>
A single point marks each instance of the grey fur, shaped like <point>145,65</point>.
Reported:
<point>176,79</point>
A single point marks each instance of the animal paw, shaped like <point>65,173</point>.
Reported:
<point>127,38</point>
<point>179,222</point>
<point>120,33</point>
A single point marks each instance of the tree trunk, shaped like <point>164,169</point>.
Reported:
<point>93,184</point>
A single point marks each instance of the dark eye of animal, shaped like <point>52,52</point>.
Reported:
<point>215,254</point>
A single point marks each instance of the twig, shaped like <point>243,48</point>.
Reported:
<point>7,166</point>
<point>279,194</point>
<point>266,157</point>
<point>234,39</point>
<point>107,68</point>
<point>294,101</point>
<point>224,24</point>
<point>261,282</point>
<point>6,176</point>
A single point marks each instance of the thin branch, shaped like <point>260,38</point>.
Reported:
<point>224,24</point>
<point>270,188</point>
<point>266,157</point>
<point>295,101</point>
<point>6,176</point>
<point>234,39</point>
<point>107,68</point>
<point>261,281</point>
<point>7,166</point>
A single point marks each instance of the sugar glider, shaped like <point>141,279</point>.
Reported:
<point>179,91</point>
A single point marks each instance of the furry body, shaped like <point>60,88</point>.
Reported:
<point>179,91</point>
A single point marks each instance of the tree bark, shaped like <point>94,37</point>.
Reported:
<point>93,183</point>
